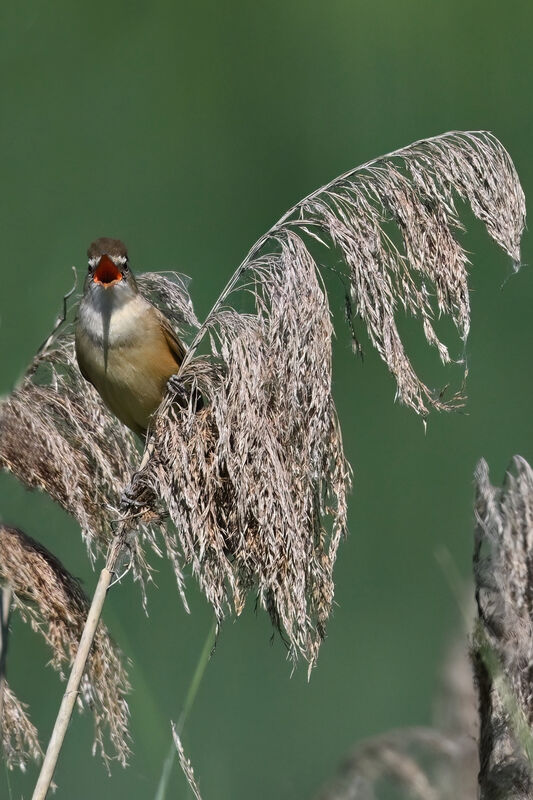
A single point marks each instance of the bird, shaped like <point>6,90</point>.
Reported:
<point>125,347</point>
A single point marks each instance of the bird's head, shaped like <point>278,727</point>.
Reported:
<point>108,268</point>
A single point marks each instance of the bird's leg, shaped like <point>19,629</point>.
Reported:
<point>133,496</point>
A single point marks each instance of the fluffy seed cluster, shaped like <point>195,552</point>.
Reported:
<point>249,480</point>
<point>56,435</point>
<point>503,646</point>
<point>392,221</point>
<point>48,598</point>
<point>401,758</point>
<point>255,483</point>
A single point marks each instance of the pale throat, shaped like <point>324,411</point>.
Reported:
<point>111,316</point>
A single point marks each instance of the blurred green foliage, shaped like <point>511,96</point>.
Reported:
<point>187,129</point>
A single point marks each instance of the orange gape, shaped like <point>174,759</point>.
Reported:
<point>107,271</point>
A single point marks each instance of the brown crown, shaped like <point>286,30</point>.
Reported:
<point>108,247</point>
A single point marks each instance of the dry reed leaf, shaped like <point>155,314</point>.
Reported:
<point>53,603</point>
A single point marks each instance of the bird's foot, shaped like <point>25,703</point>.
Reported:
<point>178,388</point>
<point>184,395</point>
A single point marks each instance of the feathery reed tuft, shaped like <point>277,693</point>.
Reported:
<point>400,758</point>
<point>248,480</point>
<point>412,190</point>
<point>52,601</point>
<point>503,644</point>
<point>55,434</point>
<point>20,743</point>
<point>255,482</point>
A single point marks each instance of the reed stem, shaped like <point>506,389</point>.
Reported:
<point>78,667</point>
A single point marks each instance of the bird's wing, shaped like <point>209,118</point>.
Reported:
<point>178,350</point>
<point>176,346</point>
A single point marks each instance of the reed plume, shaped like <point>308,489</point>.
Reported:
<point>20,741</point>
<point>255,484</point>
<point>47,597</point>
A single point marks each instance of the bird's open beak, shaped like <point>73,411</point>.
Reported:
<point>107,273</point>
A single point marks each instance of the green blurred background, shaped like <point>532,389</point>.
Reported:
<point>187,129</point>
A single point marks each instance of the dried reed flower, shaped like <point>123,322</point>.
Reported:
<point>55,434</point>
<point>503,645</point>
<point>256,482</point>
<point>20,743</point>
<point>248,480</point>
<point>52,601</point>
<point>185,764</point>
<point>411,189</point>
<point>502,656</point>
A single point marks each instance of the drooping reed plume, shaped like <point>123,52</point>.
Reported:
<point>20,741</point>
<point>255,483</point>
<point>47,597</point>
